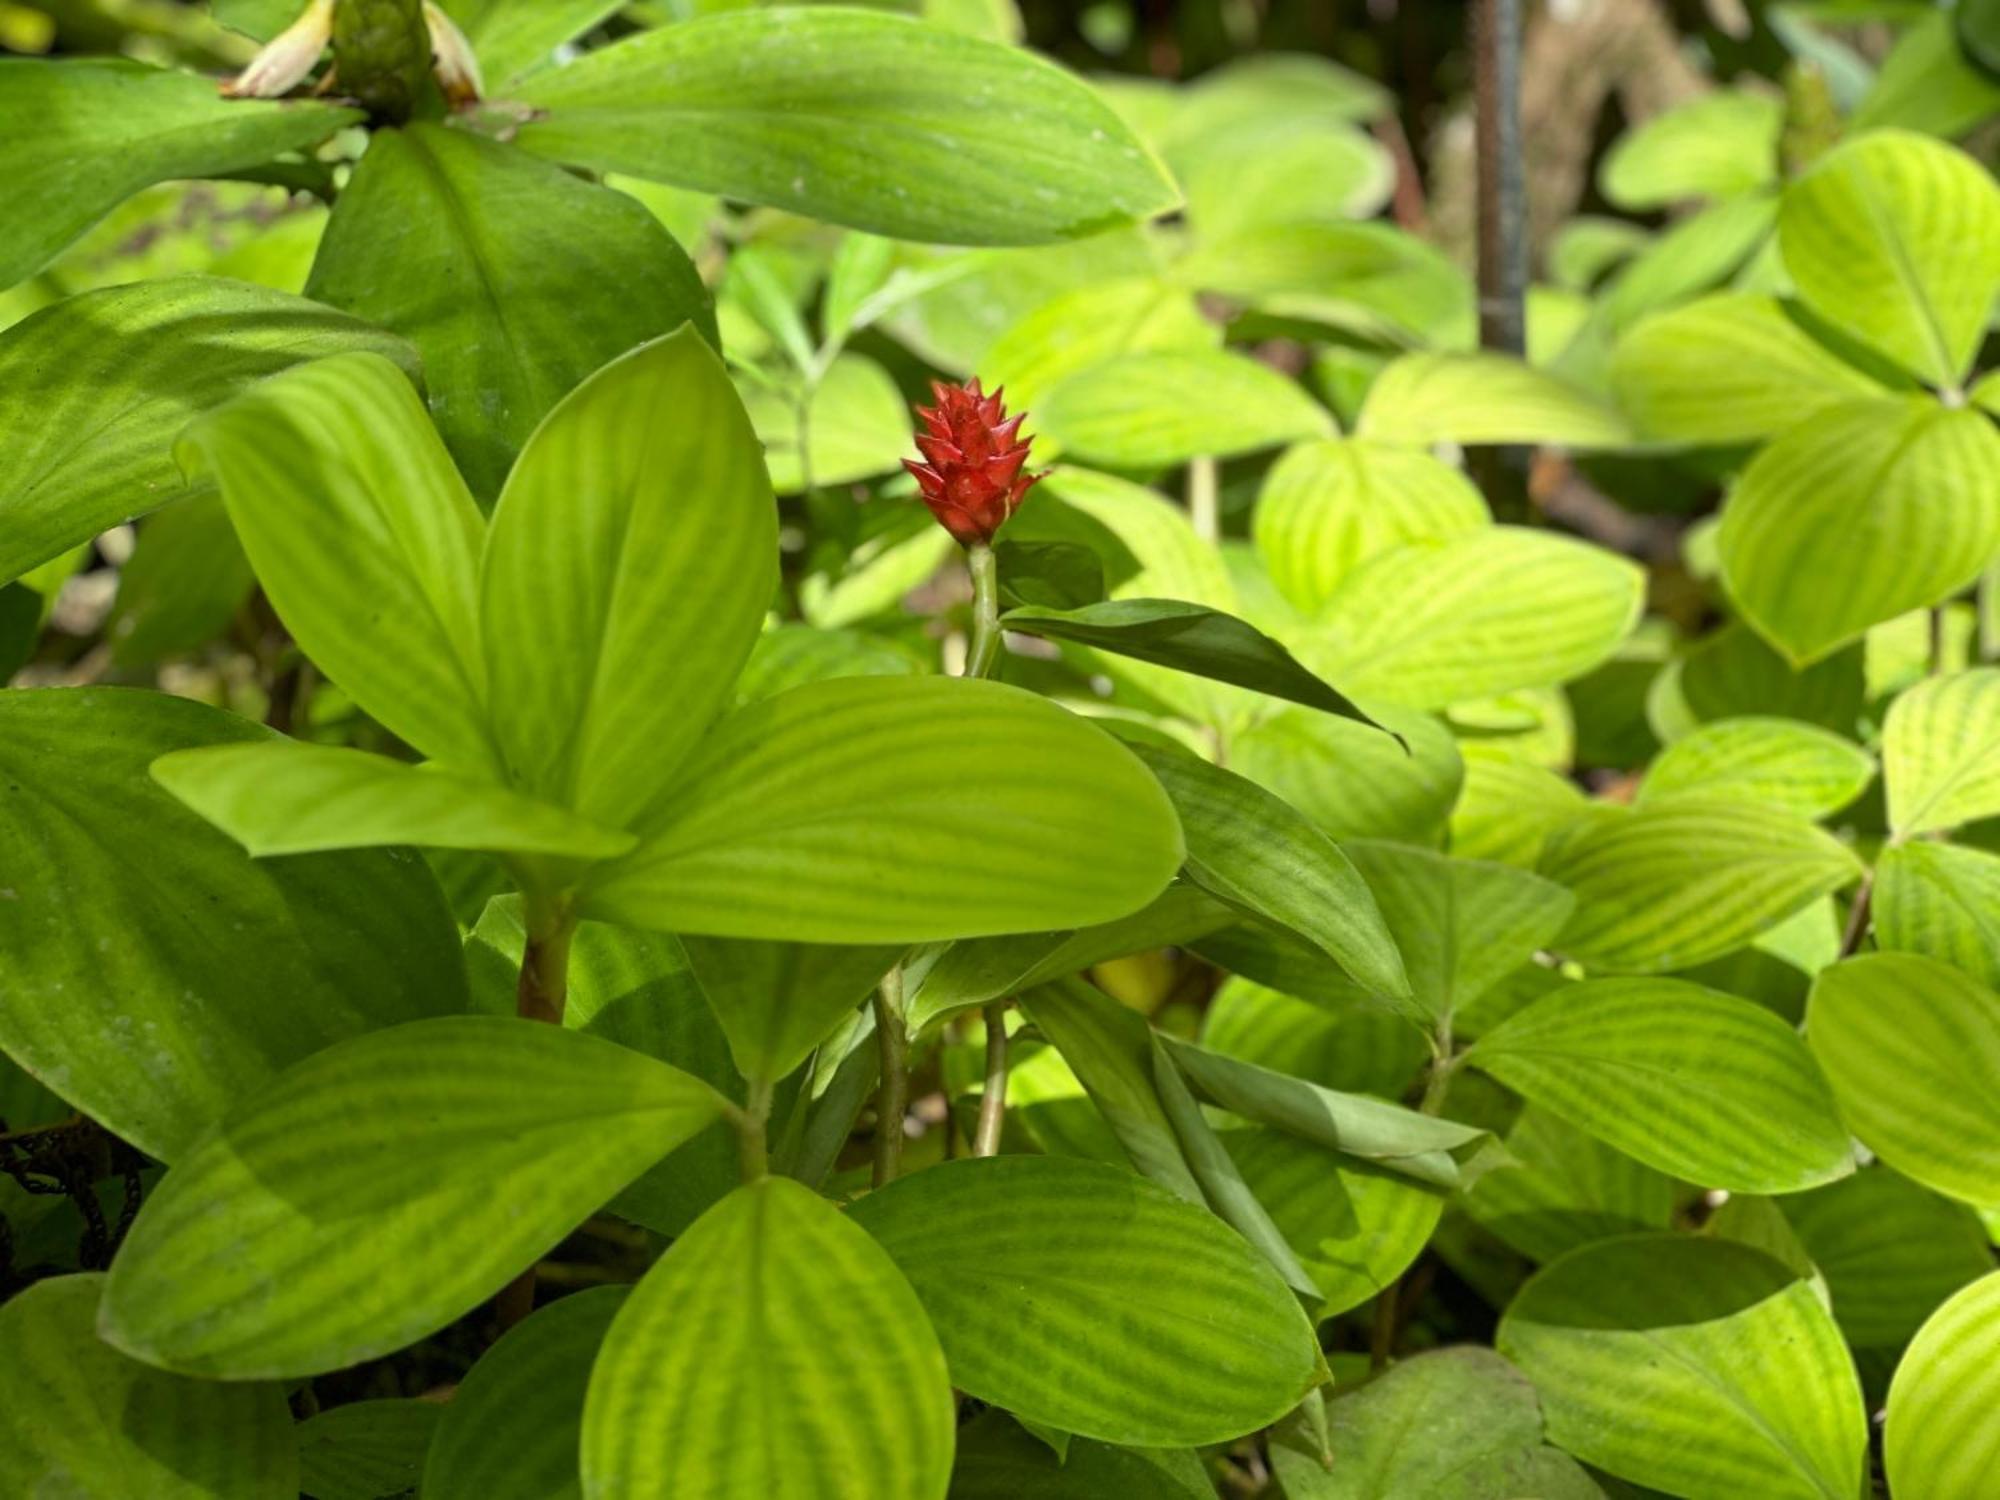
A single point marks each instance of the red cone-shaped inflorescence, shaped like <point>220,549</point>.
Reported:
<point>971,472</point>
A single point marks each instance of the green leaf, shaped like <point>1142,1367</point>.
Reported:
<point>1462,926</point>
<point>513,37</point>
<point>1251,849</point>
<point>181,588</point>
<point>155,973</point>
<point>1081,1296</point>
<point>1733,674</point>
<point>1734,367</point>
<point>777,1001</point>
<point>366,1450</point>
<point>1714,146</point>
<point>1083,328</point>
<point>1746,1385</point>
<point>1942,901</point>
<point>1507,811</point>
<point>1887,238</point>
<point>1776,763</point>
<point>1699,1084</point>
<point>1941,752</point>
<point>842,812</point>
<point>465,1146</point>
<point>510,1431</point>
<point>999,1460</point>
<point>1329,506</point>
<point>857,118</point>
<point>632,556</point>
<point>1353,780</point>
<point>858,425</point>
<point>341,491</point>
<point>1836,526</point>
<point>1337,1037</point>
<point>1912,1047</point>
<point>549,278</point>
<point>1134,412</point>
<point>1452,1424</point>
<point>1564,1189</point>
<point>1683,881</point>
<point>732,1369</point>
<point>80,135</point>
<point>283,797</point>
<point>1054,575</point>
<point>1475,615</point>
<point>79,1418</point>
<point>1940,1441</point>
<point>100,384</point>
<point>1188,638</point>
<point>1483,398</point>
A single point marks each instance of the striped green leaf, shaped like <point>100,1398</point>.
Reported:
<point>1776,763</point>
<point>1462,925</point>
<point>1068,334</point>
<point>1441,622</point>
<point>1912,1047</point>
<point>1152,410</point>
<point>1942,901</point>
<point>366,1450</point>
<point>1888,237</point>
<point>777,1001</point>
<point>1352,780</point>
<point>1941,752</point>
<point>1507,810</point>
<point>858,426</point>
<point>1696,1083</point>
<point>1331,505</point>
<point>155,973</point>
<point>1483,398</point>
<point>100,384</point>
<point>1344,1042</point>
<point>1081,1296</point>
<point>842,812</point>
<point>1940,1439</point>
<point>510,1431</point>
<point>762,106</point>
<point>1890,1251</point>
<point>555,277</point>
<point>79,1418</point>
<point>1680,882</point>
<point>341,491</point>
<point>1745,1383</point>
<point>283,797</point>
<point>1451,1424</point>
<point>1733,367</point>
<point>736,1370</point>
<point>1733,674</point>
<point>1564,1188</point>
<point>1837,525</point>
<point>1716,145</point>
<point>81,135</point>
<point>1251,849</point>
<point>998,1459</point>
<point>466,1146</point>
<point>632,556</point>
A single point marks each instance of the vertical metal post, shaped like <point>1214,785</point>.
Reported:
<point>1503,227</point>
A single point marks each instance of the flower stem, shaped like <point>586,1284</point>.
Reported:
<point>1204,498</point>
<point>993,1102</point>
<point>893,1099</point>
<point>984,652</point>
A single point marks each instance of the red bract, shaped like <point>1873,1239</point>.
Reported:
<point>971,473</point>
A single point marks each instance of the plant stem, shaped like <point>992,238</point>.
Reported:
<point>892,1101</point>
<point>1204,498</point>
<point>984,652</point>
<point>993,1102</point>
<point>753,1153</point>
<point>544,984</point>
<point>1858,916</point>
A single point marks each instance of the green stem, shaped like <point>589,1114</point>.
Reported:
<point>544,982</point>
<point>892,1101</point>
<point>1443,1064</point>
<point>1205,499</point>
<point>984,652</point>
<point>752,1150</point>
<point>993,1102</point>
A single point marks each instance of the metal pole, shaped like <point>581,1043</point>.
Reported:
<point>1503,227</point>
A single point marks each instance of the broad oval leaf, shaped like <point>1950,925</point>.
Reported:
<point>1912,1047</point>
<point>1083,328</point>
<point>1776,763</point>
<point>631,559</point>
<point>544,277</point>
<point>1714,146</point>
<point>1484,398</point>
<point>1889,237</point>
<point>1000,1460</point>
<point>342,492</point>
<point>1941,752</point>
<point>1564,1188</point>
<point>1940,1440</point>
<point>1134,412</point>
<point>1838,525</point>
<point>1747,1387</point>
<point>732,1369</point>
<point>79,1418</point>
<point>857,423</point>
<point>100,384</point>
<point>156,974</point>
<point>1943,901</point>
<point>1081,1296</point>
<point>1696,1083</point>
<point>80,135</point>
<point>511,1430</point>
<point>843,811</point>
<point>1353,780</point>
<point>1680,882</point>
<point>366,1450</point>
<point>384,1187</point>
<point>777,1001</point>
<point>1479,614</point>
<point>859,118</point>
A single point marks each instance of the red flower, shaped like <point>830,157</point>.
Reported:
<point>971,474</point>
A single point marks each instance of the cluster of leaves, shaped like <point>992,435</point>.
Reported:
<point>1389,939</point>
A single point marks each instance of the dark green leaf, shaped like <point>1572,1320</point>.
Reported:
<point>1051,575</point>
<point>366,1450</point>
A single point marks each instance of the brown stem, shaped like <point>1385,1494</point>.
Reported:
<point>892,1102</point>
<point>1858,917</point>
<point>538,996</point>
<point>993,1102</point>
